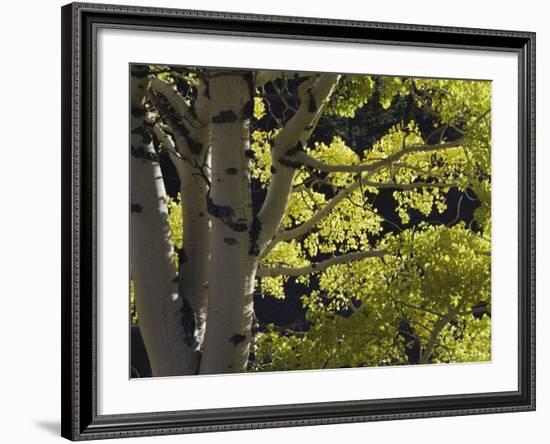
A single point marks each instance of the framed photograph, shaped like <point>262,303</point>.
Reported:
<point>278,221</point>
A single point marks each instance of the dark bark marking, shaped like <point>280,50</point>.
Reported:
<point>295,149</point>
<point>272,169</point>
<point>254,234</point>
<point>136,208</point>
<point>230,240</point>
<point>288,163</point>
<point>139,72</point>
<point>201,214</point>
<point>187,322</point>
<point>225,214</point>
<point>218,211</point>
<point>138,152</point>
<point>137,111</point>
<point>227,116</point>
<point>194,146</point>
<point>231,171</point>
<point>141,153</point>
<point>236,339</point>
<point>145,134</point>
<point>192,111</point>
<point>312,107</point>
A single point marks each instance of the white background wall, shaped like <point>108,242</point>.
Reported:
<point>30,221</point>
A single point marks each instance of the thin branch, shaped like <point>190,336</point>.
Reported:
<point>415,168</point>
<point>169,145</point>
<point>304,228</point>
<point>319,266</point>
<point>409,186</point>
<point>313,93</point>
<point>416,307</point>
<point>175,99</point>
<point>303,158</point>
<point>176,156</point>
<point>438,328</point>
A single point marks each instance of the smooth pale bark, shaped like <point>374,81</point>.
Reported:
<point>233,259</point>
<point>288,143</point>
<point>189,151</point>
<point>152,261</point>
<point>194,256</point>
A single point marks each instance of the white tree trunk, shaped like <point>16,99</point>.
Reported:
<point>152,263</point>
<point>194,256</point>
<point>234,233</point>
<point>193,144</point>
<point>218,267</point>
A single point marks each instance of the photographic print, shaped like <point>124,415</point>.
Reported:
<point>313,211</point>
<point>286,220</point>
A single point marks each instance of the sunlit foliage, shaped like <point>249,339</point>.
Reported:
<point>428,299</point>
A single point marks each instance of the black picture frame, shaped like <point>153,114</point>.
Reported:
<point>80,420</point>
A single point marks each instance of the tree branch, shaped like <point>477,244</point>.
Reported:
<point>175,99</point>
<point>319,266</point>
<point>302,158</point>
<point>315,219</point>
<point>304,228</point>
<point>408,186</point>
<point>189,139</point>
<point>169,145</point>
<point>312,93</point>
<point>438,328</point>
